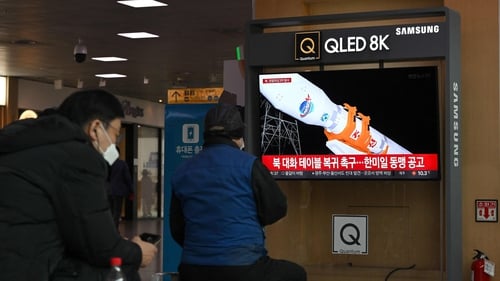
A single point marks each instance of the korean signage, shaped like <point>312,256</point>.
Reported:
<point>486,210</point>
<point>376,166</point>
<point>183,140</point>
<point>194,95</point>
<point>183,131</point>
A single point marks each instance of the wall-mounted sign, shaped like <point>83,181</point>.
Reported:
<point>486,210</point>
<point>184,125</point>
<point>350,234</point>
<point>194,95</point>
<point>133,111</point>
<point>350,45</point>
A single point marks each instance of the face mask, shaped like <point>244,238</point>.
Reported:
<point>111,153</point>
<point>242,145</point>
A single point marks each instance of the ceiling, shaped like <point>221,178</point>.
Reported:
<point>195,38</point>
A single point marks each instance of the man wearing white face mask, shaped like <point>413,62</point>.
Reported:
<point>222,198</point>
<point>110,154</point>
<point>55,222</point>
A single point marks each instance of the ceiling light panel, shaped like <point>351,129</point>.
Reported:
<point>108,59</point>
<point>142,3</point>
<point>111,75</point>
<point>138,35</point>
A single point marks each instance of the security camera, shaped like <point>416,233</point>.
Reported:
<point>80,52</point>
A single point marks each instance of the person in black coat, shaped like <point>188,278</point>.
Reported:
<point>55,221</point>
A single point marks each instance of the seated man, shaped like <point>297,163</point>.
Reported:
<point>221,200</point>
<point>55,221</point>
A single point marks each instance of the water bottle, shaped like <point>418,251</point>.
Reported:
<point>116,273</point>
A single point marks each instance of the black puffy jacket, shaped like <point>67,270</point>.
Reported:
<point>55,222</point>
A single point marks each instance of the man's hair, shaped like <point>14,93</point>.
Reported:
<point>84,106</point>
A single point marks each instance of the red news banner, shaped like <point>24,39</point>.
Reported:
<point>328,162</point>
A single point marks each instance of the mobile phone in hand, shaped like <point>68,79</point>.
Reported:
<point>150,238</point>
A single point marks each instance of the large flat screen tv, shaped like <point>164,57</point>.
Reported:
<point>351,124</point>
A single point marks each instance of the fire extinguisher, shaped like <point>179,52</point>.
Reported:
<point>478,273</point>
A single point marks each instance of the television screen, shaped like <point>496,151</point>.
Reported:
<point>364,124</point>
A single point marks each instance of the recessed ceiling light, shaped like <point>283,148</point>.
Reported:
<point>107,59</point>
<point>111,75</point>
<point>138,35</point>
<point>142,3</point>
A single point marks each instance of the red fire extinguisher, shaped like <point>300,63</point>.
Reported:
<point>478,267</point>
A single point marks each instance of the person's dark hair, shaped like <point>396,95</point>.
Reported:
<point>86,105</point>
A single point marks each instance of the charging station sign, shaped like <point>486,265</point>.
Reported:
<point>350,234</point>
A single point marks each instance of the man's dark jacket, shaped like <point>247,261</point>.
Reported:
<point>55,222</point>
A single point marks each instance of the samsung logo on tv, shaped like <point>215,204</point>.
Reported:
<point>455,125</point>
<point>417,30</point>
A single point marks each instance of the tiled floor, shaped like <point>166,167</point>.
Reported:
<point>138,226</point>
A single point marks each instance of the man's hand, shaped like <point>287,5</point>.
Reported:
<point>148,251</point>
